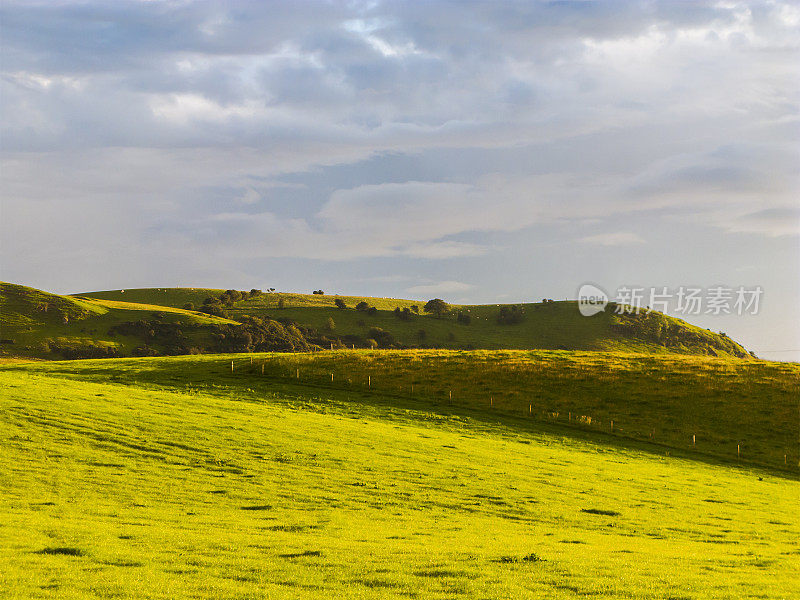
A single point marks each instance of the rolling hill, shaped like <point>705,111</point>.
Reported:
<point>542,325</point>
<point>38,324</point>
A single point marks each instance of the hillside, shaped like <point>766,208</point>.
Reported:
<point>38,324</point>
<point>173,477</point>
<point>542,325</point>
<point>714,407</point>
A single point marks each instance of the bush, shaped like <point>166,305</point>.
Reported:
<point>254,292</point>
<point>330,324</point>
<point>511,315</point>
<point>214,310</point>
<point>403,315</point>
<point>340,304</point>
<point>318,292</point>
<point>437,307</point>
<point>362,306</point>
<point>382,337</point>
<point>372,311</point>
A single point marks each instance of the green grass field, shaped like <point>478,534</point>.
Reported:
<point>173,477</point>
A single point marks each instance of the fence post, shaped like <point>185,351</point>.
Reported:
<point>231,366</point>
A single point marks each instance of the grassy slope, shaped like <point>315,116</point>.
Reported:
<point>724,403</point>
<point>215,491</point>
<point>547,326</point>
<point>24,320</point>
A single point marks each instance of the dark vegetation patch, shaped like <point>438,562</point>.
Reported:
<point>253,507</point>
<point>124,563</point>
<point>291,528</point>
<point>445,573</point>
<point>305,553</point>
<point>61,550</point>
<point>528,558</point>
<point>600,511</point>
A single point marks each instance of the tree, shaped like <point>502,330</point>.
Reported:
<point>437,307</point>
<point>330,324</point>
<point>254,292</point>
<point>362,306</point>
<point>340,304</point>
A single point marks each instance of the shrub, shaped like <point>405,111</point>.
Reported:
<point>340,304</point>
<point>382,337</point>
<point>362,306</point>
<point>212,309</point>
<point>254,292</point>
<point>330,324</point>
<point>372,311</point>
<point>511,315</point>
<point>318,292</point>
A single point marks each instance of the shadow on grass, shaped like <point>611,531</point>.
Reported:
<point>62,551</point>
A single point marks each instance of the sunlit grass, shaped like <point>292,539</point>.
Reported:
<point>170,487</point>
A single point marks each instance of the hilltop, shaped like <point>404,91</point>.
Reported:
<point>402,323</point>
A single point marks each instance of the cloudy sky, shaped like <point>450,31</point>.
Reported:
<point>477,151</point>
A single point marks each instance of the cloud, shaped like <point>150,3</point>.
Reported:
<point>251,129</point>
<point>442,287</point>
<point>774,222</point>
<point>621,238</point>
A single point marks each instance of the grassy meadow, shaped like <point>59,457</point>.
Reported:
<point>146,484</point>
<point>740,410</point>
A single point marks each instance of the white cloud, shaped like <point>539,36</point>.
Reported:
<point>442,287</point>
<point>621,238</point>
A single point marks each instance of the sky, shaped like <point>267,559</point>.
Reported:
<point>481,152</point>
